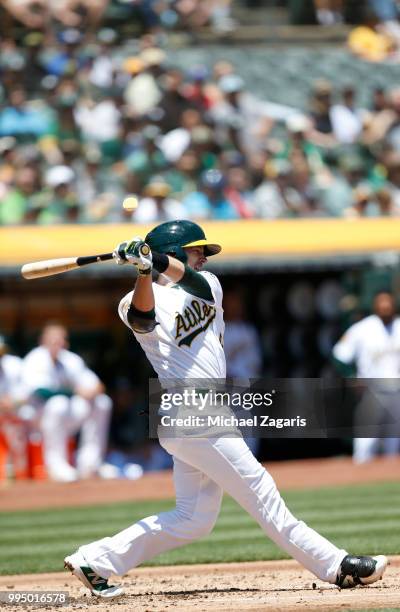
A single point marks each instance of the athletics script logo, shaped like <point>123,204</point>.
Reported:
<point>195,319</point>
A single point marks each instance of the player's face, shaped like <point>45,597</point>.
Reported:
<point>55,339</point>
<point>196,258</point>
<point>384,306</point>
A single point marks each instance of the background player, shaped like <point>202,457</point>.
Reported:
<point>373,345</point>
<point>68,397</point>
<point>183,346</point>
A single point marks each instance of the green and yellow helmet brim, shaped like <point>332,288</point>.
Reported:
<point>209,249</point>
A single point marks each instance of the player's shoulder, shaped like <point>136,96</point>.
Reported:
<point>214,283</point>
<point>70,359</point>
<point>12,361</point>
<point>36,353</point>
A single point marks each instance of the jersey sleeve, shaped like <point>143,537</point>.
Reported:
<point>346,349</point>
<point>123,308</point>
<point>79,375</point>
<point>215,286</point>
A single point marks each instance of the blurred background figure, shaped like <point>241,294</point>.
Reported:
<point>373,346</point>
<point>242,345</point>
<point>13,433</point>
<point>68,398</point>
<point>156,204</point>
<point>210,201</point>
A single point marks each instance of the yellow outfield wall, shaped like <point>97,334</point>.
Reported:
<point>258,238</point>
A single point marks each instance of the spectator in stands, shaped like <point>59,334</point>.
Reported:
<point>32,13</point>
<point>195,90</point>
<point>60,204</point>
<point>103,67</point>
<point>143,93</point>
<point>336,193</point>
<point>66,58</point>
<point>173,103</point>
<point>244,120</point>
<point>369,345</point>
<point>346,118</point>
<point>386,204</point>
<point>176,141</point>
<point>276,197</point>
<point>320,110</point>
<point>387,13</point>
<point>85,14</point>
<point>69,398</point>
<point>8,163</point>
<point>145,160</point>
<point>364,203</point>
<point>20,199</point>
<point>210,201</point>
<point>100,123</point>
<point>392,164</point>
<point>329,12</point>
<point>157,205</point>
<point>237,191</point>
<point>183,176</point>
<point>20,119</point>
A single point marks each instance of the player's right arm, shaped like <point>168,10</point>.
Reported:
<point>345,352</point>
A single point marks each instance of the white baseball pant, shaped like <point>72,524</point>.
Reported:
<point>203,468</point>
<point>63,417</point>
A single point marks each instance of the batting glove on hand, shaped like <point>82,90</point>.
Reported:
<point>138,252</point>
<point>119,253</point>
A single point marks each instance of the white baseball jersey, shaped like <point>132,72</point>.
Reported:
<point>10,377</point>
<point>187,341</point>
<point>242,349</point>
<point>67,372</point>
<point>373,346</point>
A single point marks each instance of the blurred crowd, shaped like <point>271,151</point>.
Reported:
<point>87,118</point>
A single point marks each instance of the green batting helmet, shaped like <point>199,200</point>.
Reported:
<point>171,238</point>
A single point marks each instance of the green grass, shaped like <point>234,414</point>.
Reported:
<point>363,519</point>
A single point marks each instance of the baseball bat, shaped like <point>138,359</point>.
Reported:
<point>48,267</point>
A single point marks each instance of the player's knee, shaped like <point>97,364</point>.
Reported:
<point>103,403</point>
<point>80,409</point>
<point>56,406</point>
<point>197,525</point>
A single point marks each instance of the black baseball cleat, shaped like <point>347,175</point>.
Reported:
<point>360,570</point>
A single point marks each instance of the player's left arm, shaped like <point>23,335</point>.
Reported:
<point>140,313</point>
<point>191,281</point>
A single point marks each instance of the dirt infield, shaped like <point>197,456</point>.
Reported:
<point>267,586</point>
<point>271,586</point>
<point>25,495</point>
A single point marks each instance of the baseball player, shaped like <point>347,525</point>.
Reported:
<point>13,432</point>
<point>180,327</point>
<point>373,344</point>
<point>68,397</point>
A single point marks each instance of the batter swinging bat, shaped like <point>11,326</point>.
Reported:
<point>39,269</point>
